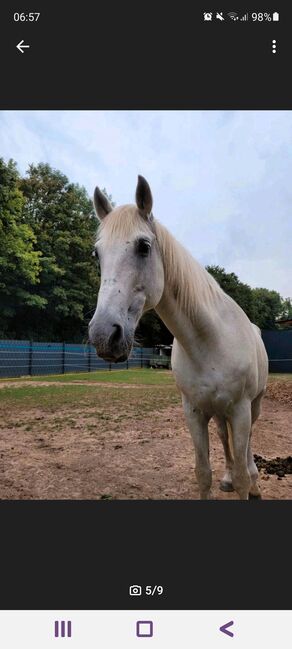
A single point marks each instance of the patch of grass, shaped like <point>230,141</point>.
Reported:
<point>143,376</point>
<point>43,396</point>
<point>105,402</point>
<point>136,376</point>
<point>280,377</point>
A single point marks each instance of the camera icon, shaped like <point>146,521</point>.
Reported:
<point>135,590</point>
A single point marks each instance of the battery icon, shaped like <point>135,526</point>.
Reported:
<point>276,16</point>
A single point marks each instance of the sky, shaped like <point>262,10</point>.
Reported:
<point>221,180</point>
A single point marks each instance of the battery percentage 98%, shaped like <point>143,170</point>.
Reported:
<point>261,17</point>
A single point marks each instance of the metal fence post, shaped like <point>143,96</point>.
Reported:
<point>88,359</point>
<point>30,359</point>
<point>110,366</point>
<point>63,358</point>
<point>141,356</point>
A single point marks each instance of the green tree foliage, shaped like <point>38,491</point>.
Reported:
<point>19,261</point>
<point>241,293</point>
<point>49,279</point>
<point>267,307</point>
<point>286,311</point>
<point>62,218</point>
<point>262,306</point>
<point>152,331</point>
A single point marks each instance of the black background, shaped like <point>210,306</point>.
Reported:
<point>85,555</point>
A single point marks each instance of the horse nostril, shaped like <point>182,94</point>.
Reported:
<point>117,335</point>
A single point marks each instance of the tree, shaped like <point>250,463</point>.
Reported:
<point>152,331</point>
<point>241,293</point>
<point>62,218</point>
<point>286,309</point>
<point>49,280</point>
<point>267,307</point>
<point>19,261</point>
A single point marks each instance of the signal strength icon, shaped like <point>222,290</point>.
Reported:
<point>245,17</point>
<point>233,15</point>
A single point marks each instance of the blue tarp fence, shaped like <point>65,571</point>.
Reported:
<point>279,349</point>
<point>27,358</point>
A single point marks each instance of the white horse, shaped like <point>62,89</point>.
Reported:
<point>218,359</point>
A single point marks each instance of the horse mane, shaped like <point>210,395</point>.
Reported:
<point>189,282</point>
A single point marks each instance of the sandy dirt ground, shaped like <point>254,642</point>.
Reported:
<point>123,443</point>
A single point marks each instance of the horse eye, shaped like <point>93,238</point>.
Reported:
<point>143,247</point>
<point>95,253</point>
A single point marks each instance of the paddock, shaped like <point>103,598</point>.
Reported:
<point>122,435</point>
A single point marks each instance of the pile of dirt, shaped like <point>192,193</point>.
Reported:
<point>280,391</point>
<point>279,466</point>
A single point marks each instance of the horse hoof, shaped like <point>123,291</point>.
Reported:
<point>226,486</point>
<point>254,496</point>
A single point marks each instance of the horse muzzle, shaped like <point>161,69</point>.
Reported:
<point>110,341</point>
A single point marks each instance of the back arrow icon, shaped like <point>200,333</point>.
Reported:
<point>224,628</point>
<point>21,46</point>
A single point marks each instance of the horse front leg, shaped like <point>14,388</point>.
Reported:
<point>226,482</point>
<point>240,421</point>
<point>198,426</point>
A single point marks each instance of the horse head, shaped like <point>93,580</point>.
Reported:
<point>132,276</point>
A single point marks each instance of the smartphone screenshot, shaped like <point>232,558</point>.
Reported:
<point>145,325</point>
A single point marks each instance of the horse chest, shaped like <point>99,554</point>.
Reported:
<point>209,398</point>
<point>206,381</point>
<point>211,393</point>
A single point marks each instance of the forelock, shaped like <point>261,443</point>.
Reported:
<point>123,223</point>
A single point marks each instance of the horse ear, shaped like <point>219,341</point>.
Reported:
<point>144,198</point>
<point>101,204</point>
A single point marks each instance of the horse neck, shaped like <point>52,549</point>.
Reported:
<point>198,319</point>
<point>182,327</point>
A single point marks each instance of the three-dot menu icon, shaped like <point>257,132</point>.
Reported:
<point>274,46</point>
